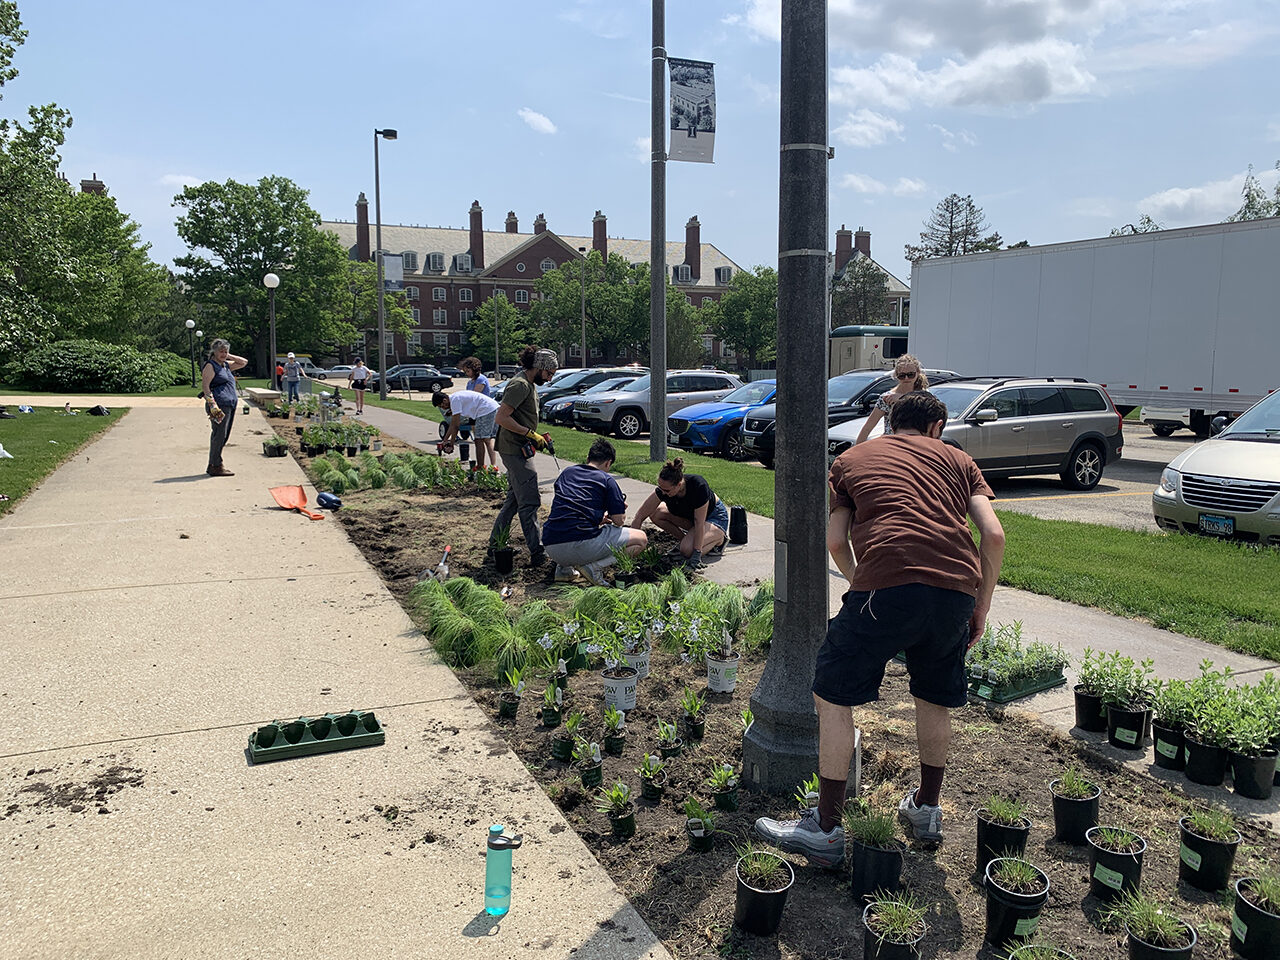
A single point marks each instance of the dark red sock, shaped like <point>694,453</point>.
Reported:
<point>930,785</point>
<point>830,802</point>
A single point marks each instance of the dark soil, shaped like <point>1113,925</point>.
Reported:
<point>687,898</point>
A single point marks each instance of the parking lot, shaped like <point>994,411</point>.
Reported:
<point>1122,499</point>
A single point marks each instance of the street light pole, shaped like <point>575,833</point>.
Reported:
<point>191,341</point>
<point>658,238</point>
<point>382,310</point>
<point>583,251</point>
<point>271,281</point>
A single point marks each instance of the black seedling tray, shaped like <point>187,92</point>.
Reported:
<point>286,739</point>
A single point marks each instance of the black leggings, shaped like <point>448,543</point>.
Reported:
<point>218,434</point>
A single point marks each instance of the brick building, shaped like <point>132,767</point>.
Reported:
<point>851,246</point>
<point>449,273</point>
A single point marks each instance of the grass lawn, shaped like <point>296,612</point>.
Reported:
<point>182,390</point>
<point>34,457</point>
<point>1221,592</point>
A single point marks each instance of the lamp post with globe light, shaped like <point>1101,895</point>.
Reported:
<point>271,281</point>
<point>191,325</point>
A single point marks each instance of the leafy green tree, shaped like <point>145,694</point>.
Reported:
<point>362,303</point>
<point>861,295</point>
<point>1254,202</point>
<point>513,333</point>
<point>1145,224</point>
<point>238,233</point>
<point>747,318</point>
<point>955,228</point>
<point>613,320</point>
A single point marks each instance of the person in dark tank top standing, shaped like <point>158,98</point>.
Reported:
<point>220,400</point>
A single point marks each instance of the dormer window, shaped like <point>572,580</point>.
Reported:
<point>435,262</point>
<point>410,260</point>
<point>682,273</point>
<point>723,275</point>
<point>462,262</point>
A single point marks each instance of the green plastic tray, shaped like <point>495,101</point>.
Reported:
<point>286,739</point>
<point>1014,691</point>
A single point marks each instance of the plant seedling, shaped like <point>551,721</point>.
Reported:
<point>666,733</point>
<point>869,827</point>
<point>502,537</point>
<point>693,704</point>
<point>700,819</point>
<point>585,754</point>
<point>807,790</point>
<point>1264,891</point>
<point>615,799</point>
<point>722,778</point>
<point>515,680</point>
<point>554,695</point>
<point>747,719</point>
<point>759,867</point>
<point>1146,920</point>
<point>623,560</point>
<point>896,918</point>
<point>1009,811</point>
<point>614,720</point>
<point>1117,840</point>
<point>573,722</point>
<point>1212,824</point>
<point>1073,785</point>
<point>1017,875</point>
<point>651,766</point>
<point>1039,951</point>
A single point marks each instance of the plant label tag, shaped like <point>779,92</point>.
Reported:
<point>1238,927</point>
<point>1107,877</point>
<point>1025,927</point>
<point>1189,857</point>
<point>1126,736</point>
<point>1166,749</point>
<point>984,691</point>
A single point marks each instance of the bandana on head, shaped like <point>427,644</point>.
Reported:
<point>545,360</point>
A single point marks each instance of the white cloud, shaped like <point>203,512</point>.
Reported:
<point>538,122</point>
<point>764,18</point>
<point>180,180</point>
<point>1206,203</point>
<point>866,128</point>
<point>623,96</point>
<point>902,187</point>
<point>953,140</point>
<point>640,149</point>
<point>908,187</point>
<point>1195,48</point>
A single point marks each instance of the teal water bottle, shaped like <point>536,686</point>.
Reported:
<point>497,871</point>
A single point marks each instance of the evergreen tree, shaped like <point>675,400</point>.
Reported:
<point>955,228</point>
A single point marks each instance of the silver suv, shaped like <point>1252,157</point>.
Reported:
<point>626,412</point>
<point>1014,426</point>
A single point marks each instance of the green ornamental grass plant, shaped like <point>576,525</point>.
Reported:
<point>1017,875</point>
<point>871,828</point>
<point>896,917</point>
<point>1073,785</point>
<point>1264,891</point>
<point>1212,823</point>
<point>1117,840</point>
<point>759,867</point>
<point>1147,920</point>
<point>1009,811</point>
<point>1037,951</point>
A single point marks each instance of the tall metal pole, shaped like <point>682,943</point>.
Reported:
<point>583,298</point>
<point>275,378</point>
<point>658,241</point>
<point>781,748</point>
<point>382,310</point>
<point>191,341</point>
<point>497,353</point>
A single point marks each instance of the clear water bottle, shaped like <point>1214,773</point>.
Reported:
<point>497,871</point>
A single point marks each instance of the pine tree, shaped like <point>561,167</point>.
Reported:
<point>954,229</point>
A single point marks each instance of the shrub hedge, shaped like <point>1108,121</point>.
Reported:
<point>87,366</point>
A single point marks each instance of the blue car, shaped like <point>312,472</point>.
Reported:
<point>716,427</point>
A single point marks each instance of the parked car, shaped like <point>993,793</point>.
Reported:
<point>849,395</point>
<point>1229,485</point>
<point>1016,426</point>
<point>579,381</point>
<point>716,426</point>
<point>626,412</point>
<point>416,376</point>
<point>561,410</point>
<point>452,372</point>
<point>1165,420</point>
<point>341,370</point>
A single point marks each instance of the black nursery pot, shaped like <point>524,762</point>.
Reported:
<point>1206,763</point>
<point>874,868</point>
<point>508,704</point>
<point>504,560</point>
<point>1011,916</point>
<point>1072,818</point>
<point>628,579</point>
<point>1204,863</point>
<point>696,729</point>
<point>873,948</point>
<point>1170,747</point>
<point>1125,728</point>
<point>613,744</point>
<point>760,911</point>
<point>1111,873</point>
<point>1141,950</point>
<point>652,788</point>
<point>561,749</point>
<point>1255,933</point>
<point>1090,714</point>
<point>996,838</point>
<point>1254,777</point>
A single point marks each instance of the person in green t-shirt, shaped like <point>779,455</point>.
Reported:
<point>517,420</point>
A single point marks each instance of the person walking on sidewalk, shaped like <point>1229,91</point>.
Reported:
<point>474,406</point>
<point>518,438</point>
<point>685,506</point>
<point>293,374</point>
<point>358,380</point>
<point>220,397</point>
<point>919,586</point>
<point>587,519</point>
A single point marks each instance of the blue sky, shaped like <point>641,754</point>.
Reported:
<point>1063,118</point>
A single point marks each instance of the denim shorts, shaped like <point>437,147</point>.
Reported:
<point>719,516</point>
<point>929,624</point>
<point>575,553</point>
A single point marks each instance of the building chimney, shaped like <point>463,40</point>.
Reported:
<point>693,246</point>
<point>539,224</point>
<point>599,239</point>
<point>844,247</point>
<point>513,225</point>
<point>477,235</point>
<point>862,241</point>
<point>362,228</point>
<point>93,186</point>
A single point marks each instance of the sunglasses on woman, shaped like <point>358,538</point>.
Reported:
<point>909,375</point>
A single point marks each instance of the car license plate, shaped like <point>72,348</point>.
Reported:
<point>1217,526</point>
<point>748,441</point>
<point>672,437</point>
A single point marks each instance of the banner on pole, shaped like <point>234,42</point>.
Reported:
<point>392,271</point>
<point>693,110</point>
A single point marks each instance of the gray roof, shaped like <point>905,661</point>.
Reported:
<point>896,287</point>
<point>499,244</point>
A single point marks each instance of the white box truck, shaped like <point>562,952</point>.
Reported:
<point>1175,318</point>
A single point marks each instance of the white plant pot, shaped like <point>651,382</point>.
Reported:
<point>377,444</point>
<point>722,675</point>
<point>639,661</point>
<point>620,691</point>
<point>297,418</point>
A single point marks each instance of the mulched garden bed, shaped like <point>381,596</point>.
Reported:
<point>687,898</point>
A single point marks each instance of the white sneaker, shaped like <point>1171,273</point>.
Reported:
<point>565,574</point>
<point>594,573</point>
<point>806,836</point>
<point>925,822</point>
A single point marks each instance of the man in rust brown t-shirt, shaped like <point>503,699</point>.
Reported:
<point>901,503</point>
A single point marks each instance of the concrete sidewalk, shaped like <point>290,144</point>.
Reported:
<point>1043,618</point>
<point>150,618</point>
